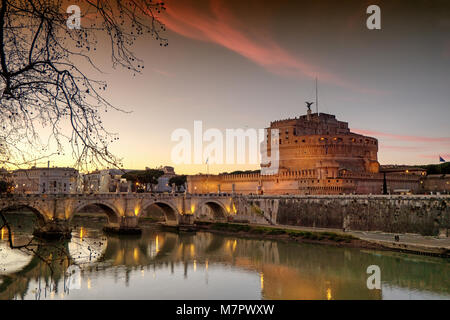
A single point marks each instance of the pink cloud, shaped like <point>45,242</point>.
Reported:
<point>218,25</point>
<point>446,156</point>
<point>400,148</point>
<point>403,137</point>
<point>164,73</point>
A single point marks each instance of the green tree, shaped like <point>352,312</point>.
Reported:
<point>443,168</point>
<point>178,180</point>
<point>143,177</point>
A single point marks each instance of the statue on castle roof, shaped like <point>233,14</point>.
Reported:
<point>308,105</point>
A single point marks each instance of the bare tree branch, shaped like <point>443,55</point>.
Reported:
<point>43,82</point>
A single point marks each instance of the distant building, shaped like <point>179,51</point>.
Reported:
<point>436,183</point>
<point>104,181</point>
<point>45,180</point>
<point>91,181</point>
<point>163,181</point>
<point>5,175</point>
<point>317,155</point>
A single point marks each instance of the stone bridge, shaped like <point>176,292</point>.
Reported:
<point>427,215</point>
<point>55,211</point>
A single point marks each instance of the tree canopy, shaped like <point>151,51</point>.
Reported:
<point>178,180</point>
<point>144,176</point>
<point>443,168</point>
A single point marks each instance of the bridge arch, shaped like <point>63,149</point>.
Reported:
<point>36,210</point>
<point>110,210</point>
<point>170,211</point>
<point>216,208</point>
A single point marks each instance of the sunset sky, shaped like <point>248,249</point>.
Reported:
<point>244,63</point>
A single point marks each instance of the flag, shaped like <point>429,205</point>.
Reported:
<point>441,159</point>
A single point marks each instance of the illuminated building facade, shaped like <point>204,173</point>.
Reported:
<point>318,155</point>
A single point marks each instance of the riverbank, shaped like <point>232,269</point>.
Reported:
<point>408,243</point>
<point>278,233</point>
<point>376,240</point>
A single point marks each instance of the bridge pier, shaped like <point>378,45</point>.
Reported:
<point>126,225</point>
<point>57,229</point>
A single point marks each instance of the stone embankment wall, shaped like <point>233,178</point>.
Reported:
<point>426,215</point>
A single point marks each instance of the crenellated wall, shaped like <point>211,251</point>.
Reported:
<point>302,182</point>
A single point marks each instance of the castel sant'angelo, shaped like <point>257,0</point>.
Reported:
<point>318,154</point>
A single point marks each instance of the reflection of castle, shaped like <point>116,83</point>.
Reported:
<point>317,155</point>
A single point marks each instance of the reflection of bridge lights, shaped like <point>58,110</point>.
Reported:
<point>192,249</point>
<point>89,284</point>
<point>195,265</point>
<point>84,249</point>
<point>157,244</point>
<point>234,245</point>
<point>3,233</point>
<point>329,297</point>
<point>136,255</point>
<point>192,208</point>
<point>261,276</point>
<point>206,264</point>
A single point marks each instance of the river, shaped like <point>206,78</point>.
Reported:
<point>202,265</point>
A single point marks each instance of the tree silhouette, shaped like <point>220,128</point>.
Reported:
<point>178,180</point>
<point>43,82</point>
<point>5,186</point>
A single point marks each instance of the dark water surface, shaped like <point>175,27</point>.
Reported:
<point>165,265</point>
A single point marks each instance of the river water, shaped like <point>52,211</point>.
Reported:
<point>202,265</point>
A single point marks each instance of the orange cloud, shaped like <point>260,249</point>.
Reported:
<point>218,25</point>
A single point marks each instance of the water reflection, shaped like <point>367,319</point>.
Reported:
<point>161,265</point>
